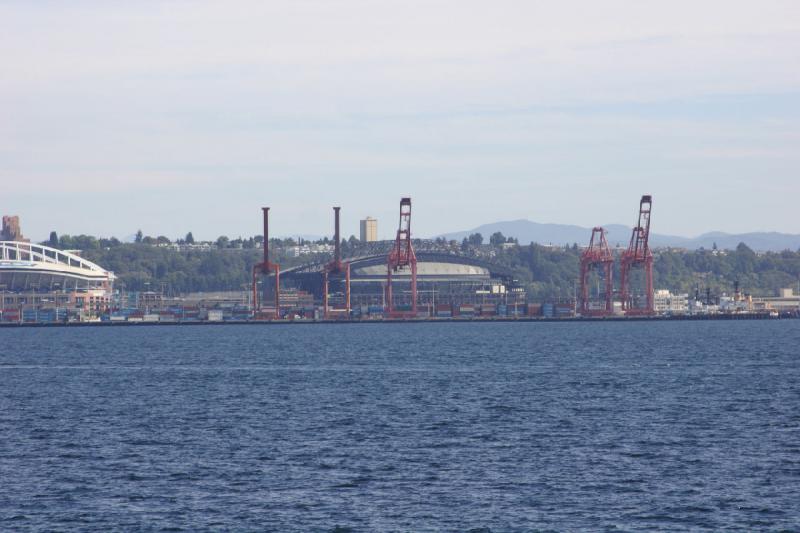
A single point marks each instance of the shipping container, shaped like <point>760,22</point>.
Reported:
<point>533,309</point>
<point>564,310</point>
<point>10,315</point>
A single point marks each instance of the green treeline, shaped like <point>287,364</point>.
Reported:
<point>548,273</point>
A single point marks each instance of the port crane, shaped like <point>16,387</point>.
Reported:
<point>638,256</point>
<point>598,257</point>
<point>402,256</point>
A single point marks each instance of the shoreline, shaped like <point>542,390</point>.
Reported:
<point>473,320</point>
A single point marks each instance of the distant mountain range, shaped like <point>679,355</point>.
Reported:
<point>526,232</point>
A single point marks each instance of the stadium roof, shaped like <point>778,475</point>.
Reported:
<point>430,264</point>
<point>25,257</point>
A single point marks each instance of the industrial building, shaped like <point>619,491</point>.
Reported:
<point>666,303</point>
<point>786,300</point>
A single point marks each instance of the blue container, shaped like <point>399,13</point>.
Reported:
<point>547,310</point>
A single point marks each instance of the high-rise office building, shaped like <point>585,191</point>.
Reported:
<point>369,230</point>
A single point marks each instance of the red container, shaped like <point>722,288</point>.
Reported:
<point>11,315</point>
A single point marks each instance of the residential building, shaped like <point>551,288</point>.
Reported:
<point>369,230</point>
<point>308,249</point>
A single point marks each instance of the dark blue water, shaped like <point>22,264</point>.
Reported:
<point>421,427</point>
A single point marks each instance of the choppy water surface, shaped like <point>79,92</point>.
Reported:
<point>420,427</point>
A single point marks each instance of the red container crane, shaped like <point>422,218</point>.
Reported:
<point>638,255</point>
<point>597,256</point>
<point>402,256</point>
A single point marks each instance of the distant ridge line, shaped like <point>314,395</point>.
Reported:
<point>527,231</point>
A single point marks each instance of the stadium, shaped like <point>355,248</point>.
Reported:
<point>446,282</point>
<point>38,277</point>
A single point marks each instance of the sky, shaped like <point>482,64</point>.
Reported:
<point>179,116</point>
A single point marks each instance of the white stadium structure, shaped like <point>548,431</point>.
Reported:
<point>36,276</point>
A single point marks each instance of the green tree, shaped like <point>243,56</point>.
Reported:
<point>476,239</point>
<point>139,237</point>
<point>497,239</point>
<point>189,238</point>
<point>53,241</point>
<point>745,259</point>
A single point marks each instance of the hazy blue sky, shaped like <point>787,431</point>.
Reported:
<point>190,115</point>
